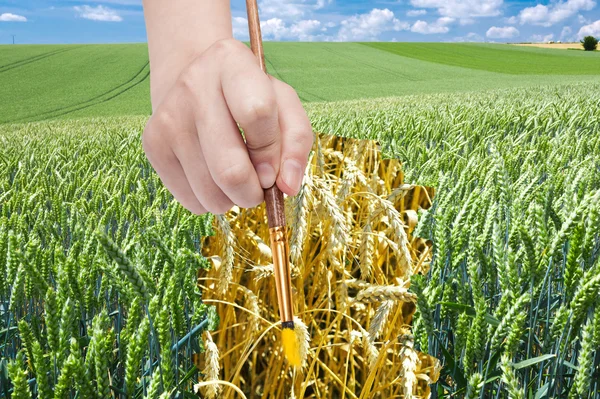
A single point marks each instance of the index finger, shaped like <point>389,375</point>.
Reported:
<point>252,102</point>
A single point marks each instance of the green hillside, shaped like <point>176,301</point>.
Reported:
<point>504,59</point>
<point>41,82</point>
<point>71,81</point>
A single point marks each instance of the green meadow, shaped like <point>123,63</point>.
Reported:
<point>73,81</point>
<point>506,59</point>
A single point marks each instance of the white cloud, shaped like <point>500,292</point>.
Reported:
<point>416,13</point>
<point>8,17</point>
<point>507,32</point>
<point>120,2</point>
<point>542,38</point>
<point>583,20</point>
<point>99,13</point>
<point>322,3</point>
<point>277,29</point>
<point>429,28</point>
<point>271,8</point>
<point>369,26</point>
<point>565,34</point>
<point>240,28</point>
<point>592,29</point>
<point>511,20</point>
<point>470,37</point>
<point>274,28</point>
<point>462,9</point>
<point>555,12</point>
<point>305,30</point>
<point>290,8</point>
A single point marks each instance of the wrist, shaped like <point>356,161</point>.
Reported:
<point>178,31</point>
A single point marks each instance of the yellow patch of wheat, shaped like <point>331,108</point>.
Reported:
<point>353,255</point>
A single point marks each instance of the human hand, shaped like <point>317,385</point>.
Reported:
<point>193,141</point>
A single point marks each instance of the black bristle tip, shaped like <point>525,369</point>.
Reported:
<point>287,324</point>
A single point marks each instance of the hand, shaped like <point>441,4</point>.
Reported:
<point>193,141</point>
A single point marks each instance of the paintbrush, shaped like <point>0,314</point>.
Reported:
<point>277,225</point>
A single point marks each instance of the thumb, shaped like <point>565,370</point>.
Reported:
<point>253,105</point>
<point>265,108</point>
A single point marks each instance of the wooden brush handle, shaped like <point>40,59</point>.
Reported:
<point>255,35</point>
<point>273,195</point>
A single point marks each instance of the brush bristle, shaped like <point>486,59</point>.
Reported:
<point>291,347</point>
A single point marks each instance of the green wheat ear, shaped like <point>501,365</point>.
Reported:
<point>124,265</point>
<point>474,387</point>
<point>583,378</point>
<point>513,386</point>
<point>42,368</point>
<point>19,379</point>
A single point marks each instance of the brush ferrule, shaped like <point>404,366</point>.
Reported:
<point>287,324</point>
<point>281,269</point>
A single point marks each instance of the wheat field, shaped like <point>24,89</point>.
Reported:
<point>462,246</point>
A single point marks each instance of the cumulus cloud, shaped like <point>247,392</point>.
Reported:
<point>429,28</point>
<point>507,32</point>
<point>270,8</point>
<point>322,3</point>
<point>274,28</point>
<point>8,17</point>
<point>565,34</point>
<point>277,29</point>
<point>370,25</point>
<point>306,30</point>
<point>99,13</point>
<point>290,8</point>
<point>583,20</point>
<point>240,28</point>
<point>555,12</point>
<point>470,37</point>
<point>119,2</point>
<point>592,29</point>
<point>462,9</point>
<point>416,13</point>
<point>542,38</point>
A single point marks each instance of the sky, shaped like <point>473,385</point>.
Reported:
<point>122,21</point>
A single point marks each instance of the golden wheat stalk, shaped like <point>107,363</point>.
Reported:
<point>353,259</point>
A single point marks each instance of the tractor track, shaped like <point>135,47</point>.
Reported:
<point>382,69</point>
<point>299,92</point>
<point>137,79</point>
<point>26,61</point>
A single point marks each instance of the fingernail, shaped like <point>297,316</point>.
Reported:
<point>292,174</point>
<point>266,175</point>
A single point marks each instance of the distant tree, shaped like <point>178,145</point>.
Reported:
<point>589,43</point>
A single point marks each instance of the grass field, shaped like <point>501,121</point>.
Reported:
<point>504,59</point>
<point>42,82</point>
<point>510,301</point>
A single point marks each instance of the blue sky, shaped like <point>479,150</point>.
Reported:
<point>110,21</point>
